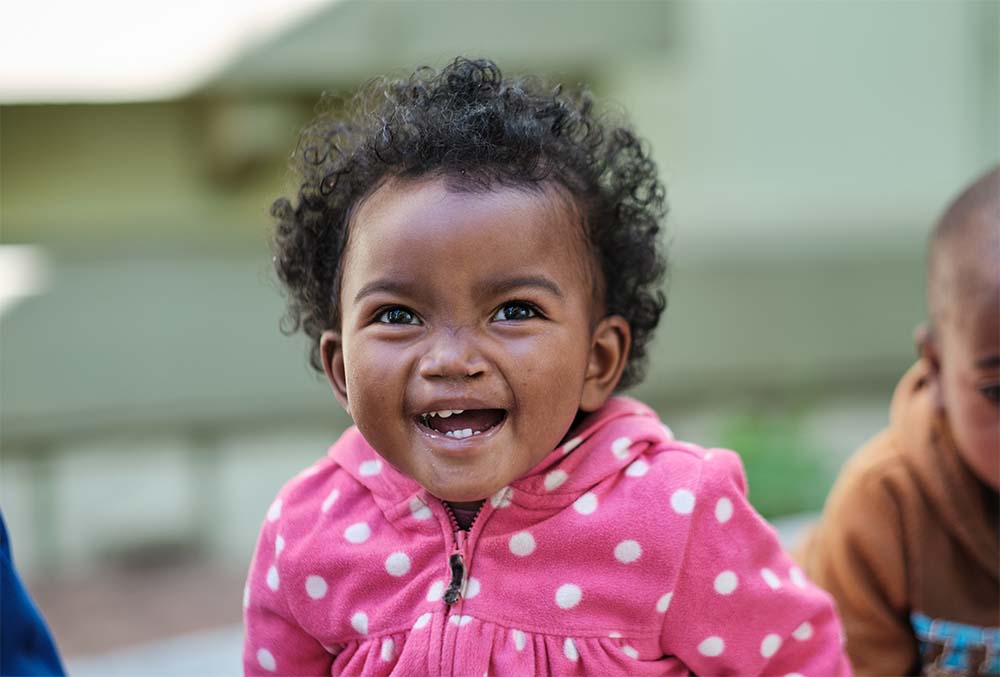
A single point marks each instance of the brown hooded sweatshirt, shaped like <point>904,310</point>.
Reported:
<point>908,546</point>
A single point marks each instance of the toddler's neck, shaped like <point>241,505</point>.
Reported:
<point>465,513</point>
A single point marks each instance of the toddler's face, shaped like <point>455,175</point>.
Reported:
<point>473,302</point>
<point>969,382</point>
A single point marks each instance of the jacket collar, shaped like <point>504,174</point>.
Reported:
<point>602,444</point>
<point>964,503</point>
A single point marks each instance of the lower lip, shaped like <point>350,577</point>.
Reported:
<point>462,445</point>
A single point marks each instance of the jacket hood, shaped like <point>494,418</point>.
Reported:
<point>601,444</point>
<point>965,504</point>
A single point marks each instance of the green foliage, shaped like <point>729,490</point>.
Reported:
<point>785,469</point>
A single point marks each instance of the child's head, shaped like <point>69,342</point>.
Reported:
<point>963,342</point>
<point>465,242</point>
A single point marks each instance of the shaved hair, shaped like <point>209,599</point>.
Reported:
<point>964,253</point>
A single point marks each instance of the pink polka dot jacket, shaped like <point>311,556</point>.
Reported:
<point>623,552</point>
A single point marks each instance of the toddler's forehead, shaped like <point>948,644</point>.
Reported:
<point>562,211</point>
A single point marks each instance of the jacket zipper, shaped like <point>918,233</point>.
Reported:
<point>456,560</point>
<point>458,568</point>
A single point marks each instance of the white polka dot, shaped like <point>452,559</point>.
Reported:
<point>472,587</point>
<point>370,467</point>
<point>555,479</point>
<point>422,621</point>
<point>568,595</point>
<point>664,602</point>
<point>615,635</point>
<point>272,578</point>
<point>502,498</point>
<point>246,596</point>
<point>798,578</point>
<point>795,674</point>
<point>266,659</point>
<point>803,632</point>
<point>770,645</point>
<point>522,544</point>
<point>316,587</point>
<point>627,552</point>
<point>460,620</point>
<point>518,639</point>
<point>637,468</point>
<point>711,646</point>
<point>359,621</point>
<point>330,499</point>
<point>682,501</point>
<point>388,649</point>
<point>723,510</point>
<point>397,564</point>
<point>436,591</point>
<point>667,431</point>
<point>419,509</point>
<point>358,532</point>
<point>770,578</point>
<point>725,582</point>
<point>569,649</point>
<point>630,651</point>
<point>571,445</point>
<point>279,545</point>
<point>586,504</point>
<point>274,512</point>
<point>709,455</point>
<point>620,447</point>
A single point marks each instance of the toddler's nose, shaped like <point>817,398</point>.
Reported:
<point>452,354</point>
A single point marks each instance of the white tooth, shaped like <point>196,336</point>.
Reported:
<point>451,433</point>
<point>468,432</point>
<point>477,432</point>
<point>457,411</point>
<point>443,414</point>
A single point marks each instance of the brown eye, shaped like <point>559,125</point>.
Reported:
<point>991,392</point>
<point>514,311</point>
<point>397,316</point>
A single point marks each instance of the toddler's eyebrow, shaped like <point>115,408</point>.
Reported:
<point>496,287</point>
<point>493,287</point>
<point>387,286</point>
<point>990,362</point>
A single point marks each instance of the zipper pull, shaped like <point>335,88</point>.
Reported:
<point>454,590</point>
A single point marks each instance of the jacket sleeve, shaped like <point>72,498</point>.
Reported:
<point>739,604</point>
<point>274,642</point>
<point>856,553</point>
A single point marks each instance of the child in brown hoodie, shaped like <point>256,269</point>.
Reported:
<point>908,542</point>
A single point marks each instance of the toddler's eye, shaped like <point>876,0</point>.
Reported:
<point>991,392</point>
<point>515,310</point>
<point>397,316</point>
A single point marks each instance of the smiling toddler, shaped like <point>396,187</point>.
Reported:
<point>476,262</point>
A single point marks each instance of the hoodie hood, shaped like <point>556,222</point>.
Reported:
<point>967,507</point>
<point>600,445</point>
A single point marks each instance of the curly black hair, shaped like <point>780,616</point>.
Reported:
<point>468,124</point>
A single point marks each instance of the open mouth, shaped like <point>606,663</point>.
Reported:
<point>462,423</point>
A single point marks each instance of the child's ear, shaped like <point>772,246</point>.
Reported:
<point>927,349</point>
<point>608,355</point>
<point>331,352</point>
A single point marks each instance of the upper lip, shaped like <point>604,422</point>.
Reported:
<point>462,403</point>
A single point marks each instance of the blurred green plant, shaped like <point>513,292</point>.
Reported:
<point>785,470</point>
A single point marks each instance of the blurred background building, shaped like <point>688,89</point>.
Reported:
<point>149,405</point>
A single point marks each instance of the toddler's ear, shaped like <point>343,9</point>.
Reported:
<point>331,351</point>
<point>608,355</point>
<point>927,349</point>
